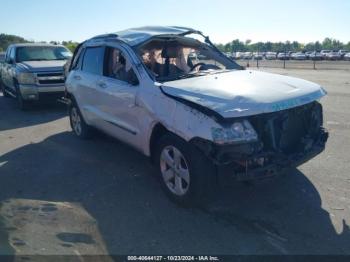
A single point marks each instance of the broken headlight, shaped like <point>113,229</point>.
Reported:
<point>241,131</point>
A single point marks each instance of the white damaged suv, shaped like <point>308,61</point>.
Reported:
<point>202,118</point>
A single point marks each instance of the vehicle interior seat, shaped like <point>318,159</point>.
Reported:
<point>169,68</point>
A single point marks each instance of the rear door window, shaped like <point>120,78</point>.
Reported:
<point>93,60</point>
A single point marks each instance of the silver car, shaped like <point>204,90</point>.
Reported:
<point>347,57</point>
<point>201,118</point>
<point>270,55</point>
<point>334,55</point>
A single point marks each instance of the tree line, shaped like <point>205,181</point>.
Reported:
<point>234,46</point>
<point>6,40</point>
<point>247,46</point>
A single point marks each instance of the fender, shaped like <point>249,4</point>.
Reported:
<point>206,111</point>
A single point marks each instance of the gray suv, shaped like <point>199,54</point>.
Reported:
<point>197,114</point>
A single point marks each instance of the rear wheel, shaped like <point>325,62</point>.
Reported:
<point>77,123</point>
<point>186,175</point>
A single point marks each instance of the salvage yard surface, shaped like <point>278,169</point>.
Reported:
<point>62,195</point>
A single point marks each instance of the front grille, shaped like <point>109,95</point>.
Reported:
<point>287,131</point>
<point>50,78</point>
<point>51,82</point>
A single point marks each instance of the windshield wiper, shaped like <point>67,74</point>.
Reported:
<point>194,74</point>
<point>189,75</point>
<point>181,76</point>
<point>39,59</point>
<point>43,59</point>
<point>203,73</point>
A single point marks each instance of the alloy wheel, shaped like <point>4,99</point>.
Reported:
<point>76,121</point>
<point>175,170</point>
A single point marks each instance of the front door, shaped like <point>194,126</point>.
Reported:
<point>118,89</point>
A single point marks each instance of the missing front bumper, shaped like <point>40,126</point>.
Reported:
<point>249,161</point>
<point>279,165</point>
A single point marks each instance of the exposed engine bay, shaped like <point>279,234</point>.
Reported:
<point>286,139</point>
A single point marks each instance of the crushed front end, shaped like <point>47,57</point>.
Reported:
<point>286,139</point>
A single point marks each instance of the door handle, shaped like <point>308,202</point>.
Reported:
<point>77,77</point>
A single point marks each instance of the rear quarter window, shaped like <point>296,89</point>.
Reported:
<point>93,60</point>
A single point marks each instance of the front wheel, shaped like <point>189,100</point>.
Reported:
<point>77,123</point>
<point>186,175</point>
<point>22,104</point>
<point>4,92</point>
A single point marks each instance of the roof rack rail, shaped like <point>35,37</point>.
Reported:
<point>104,36</point>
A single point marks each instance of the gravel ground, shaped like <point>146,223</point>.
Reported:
<point>62,195</point>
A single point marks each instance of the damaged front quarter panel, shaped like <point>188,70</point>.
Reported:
<point>190,120</point>
<point>287,139</point>
<point>216,136</point>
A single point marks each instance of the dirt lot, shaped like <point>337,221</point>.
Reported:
<point>61,195</point>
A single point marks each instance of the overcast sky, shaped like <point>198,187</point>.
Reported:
<point>223,20</point>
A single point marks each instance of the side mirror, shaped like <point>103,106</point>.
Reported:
<point>10,61</point>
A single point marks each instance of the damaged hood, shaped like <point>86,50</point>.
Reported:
<point>244,92</point>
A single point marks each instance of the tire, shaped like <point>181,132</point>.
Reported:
<point>78,124</point>
<point>3,90</point>
<point>187,176</point>
<point>22,104</point>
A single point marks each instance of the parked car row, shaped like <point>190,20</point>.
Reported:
<point>309,55</point>
<point>201,122</point>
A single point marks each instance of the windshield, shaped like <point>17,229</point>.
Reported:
<point>40,53</point>
<point>182,57</point>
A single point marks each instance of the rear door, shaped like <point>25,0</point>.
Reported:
<point>85,80</point>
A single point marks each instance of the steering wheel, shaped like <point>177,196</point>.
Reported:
<point>196,65</point>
